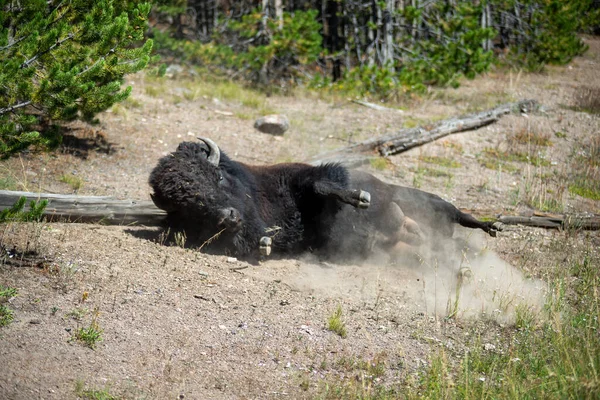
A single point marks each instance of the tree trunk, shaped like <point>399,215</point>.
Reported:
<point>388,56</point>
<point>279,13</point>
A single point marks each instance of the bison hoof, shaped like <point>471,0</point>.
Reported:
<point>265,246</point>
<point>364,199</point>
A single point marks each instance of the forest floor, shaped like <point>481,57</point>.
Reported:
<point>176,323</point>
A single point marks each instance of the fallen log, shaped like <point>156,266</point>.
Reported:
<point>405,139</point>
<point>560,222</point>
<point>95,209</point>
<point>110,211</point>
<point>375,106</point>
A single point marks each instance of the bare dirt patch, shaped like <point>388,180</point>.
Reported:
<point>176,323</point>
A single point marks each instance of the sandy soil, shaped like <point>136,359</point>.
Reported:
<point>177,323</point>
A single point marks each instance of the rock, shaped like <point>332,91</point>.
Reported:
<point>275,124</point>
<point>489,347</point>
<point>172,70</point>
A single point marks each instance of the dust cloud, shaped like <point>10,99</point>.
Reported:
<point>459,277</point>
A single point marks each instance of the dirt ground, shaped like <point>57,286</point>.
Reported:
<point>177,323</point>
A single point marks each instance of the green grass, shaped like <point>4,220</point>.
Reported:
<point>91,335</point>
<point>441,161</point>
<point>336,324</point>
<point>7,292</point>
<point>496,155</point>
<point>589,189</point>
<point>431,172</point>
<point>93,394</point>
<point>499,165</point>
<point>379,163</point>
<point>9,183</point>
<point>6,314</point>
<point>585,170</point>
<point>76,182</point>
<point>155,90</point>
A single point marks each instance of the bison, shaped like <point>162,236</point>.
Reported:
<point>228,207</point>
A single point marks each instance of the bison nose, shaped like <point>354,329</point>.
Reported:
<point>230,218</point>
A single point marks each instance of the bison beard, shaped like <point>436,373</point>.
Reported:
<point>227,207</point>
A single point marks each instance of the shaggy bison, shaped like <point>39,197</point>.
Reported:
<point>227,207</point>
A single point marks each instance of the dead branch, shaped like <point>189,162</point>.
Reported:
<point>406,139</point>
<point>376,106</point>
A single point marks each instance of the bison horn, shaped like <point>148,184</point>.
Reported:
<point>214,154</point>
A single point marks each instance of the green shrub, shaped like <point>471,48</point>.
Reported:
<point>61,61</point>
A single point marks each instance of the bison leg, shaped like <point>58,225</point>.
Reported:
<point>406,229</point>
<point>355,197</point>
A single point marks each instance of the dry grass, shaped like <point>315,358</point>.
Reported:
<point>587,99</point>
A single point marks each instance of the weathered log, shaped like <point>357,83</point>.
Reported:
<point>111,211</point>
<point>406,139</point>
<point>559,222</point>
<point>97,209</point>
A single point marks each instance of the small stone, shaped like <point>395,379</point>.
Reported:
<point>489,347</point>
<point>275,124</point>
<point>231,259</point>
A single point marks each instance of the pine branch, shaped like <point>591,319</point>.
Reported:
<point>8,46</point>
<point>41,53</point>
<point>15,107</point>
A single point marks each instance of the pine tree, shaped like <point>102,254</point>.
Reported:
<point>64,60</point>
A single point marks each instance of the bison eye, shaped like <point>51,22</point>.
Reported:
<point>220,178</point>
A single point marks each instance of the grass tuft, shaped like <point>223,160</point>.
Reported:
<point>91,335</point>
<point>336,324</point>
<point>529,137</point>
<point>587,99</point>
<point>76,182</point>
<point>441,161</point>
<point>379,163</point>
<point>6,314</point>
<point>92,394</point>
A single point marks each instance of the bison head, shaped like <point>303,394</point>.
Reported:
<point>202,190</point>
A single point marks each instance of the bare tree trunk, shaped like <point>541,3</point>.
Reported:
<point>264,71</point>
<point>357,41</point>
<point>279,13</point>
<point>388,55</point>
<point>486,22</point>
<point>346,33</point>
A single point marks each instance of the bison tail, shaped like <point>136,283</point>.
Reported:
<point>468,221</point>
